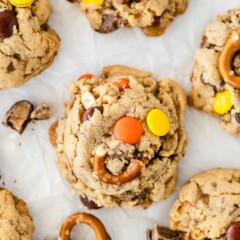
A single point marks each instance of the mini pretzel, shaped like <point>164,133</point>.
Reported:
<point>231,47</point>
<point>127,176</point>
<point>93,222</point>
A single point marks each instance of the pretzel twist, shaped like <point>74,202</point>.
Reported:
<point>127,176</point>
<point>93,222</point>
<point>225,59</point>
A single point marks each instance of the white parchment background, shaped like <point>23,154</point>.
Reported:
<point>27,162</point>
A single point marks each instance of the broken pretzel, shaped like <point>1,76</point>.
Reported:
<point>99,167</point>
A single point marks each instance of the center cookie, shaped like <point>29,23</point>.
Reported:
<point>122,137</point>
<point>27,44</point>
<point>152,16</point>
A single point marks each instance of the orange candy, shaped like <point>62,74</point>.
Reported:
<point>121,83</point>
<point>85,76</point>
<point>128,130</point>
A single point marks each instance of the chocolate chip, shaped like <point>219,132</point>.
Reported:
<point>233,232</point>
<point>109,24</point>
<point>18,116</point>
<point>237,117</point>
<point>7,22</point>
<point>89,204</point>
<point>90,112</point>
<point>10,67</point>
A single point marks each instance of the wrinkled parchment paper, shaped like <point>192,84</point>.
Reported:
<point>27,162</point>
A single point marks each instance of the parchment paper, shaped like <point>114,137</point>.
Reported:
<point>27,162</point>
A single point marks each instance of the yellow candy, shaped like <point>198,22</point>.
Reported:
<point>222,102</point>
<point>97,2</point>
<point>158,122</point>
<point>21,3</point>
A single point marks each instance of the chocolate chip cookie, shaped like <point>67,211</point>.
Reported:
<point>121,138</point>
<point>15,221</point>
<point>216,72</point>
<point>152,16</point>
<point>209,206</point>
<point>27,44</point>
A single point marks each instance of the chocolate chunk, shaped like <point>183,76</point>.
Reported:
<point>41,112</point>
<point>109,24</point>
<point>233,232</point>
<point>18,116</point>
<point>10,67</point>
<point>89,204</point>
<point>90,112</point>
<point>163,233</point>
<point>7,22</point>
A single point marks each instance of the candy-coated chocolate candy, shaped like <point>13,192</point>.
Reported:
<point>158,122</point>
<point>21,3</point>
<point>97,2</point>
<point>7,22</point>
<point>85,76</point>
<point>233,232</point>
<point>222,102</point>
<point>90,112</point>
<point>121,83</point>
<point>128,130</point>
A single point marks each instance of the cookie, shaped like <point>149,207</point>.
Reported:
<point>216,72</point>
<point>122,137</point>
<point>15,221</point>
<point>209,206</point>
<point>152,16</point>
<point>27,43</point>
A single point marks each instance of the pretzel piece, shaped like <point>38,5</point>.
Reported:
<point>225,59</point>
<point>92,221</point>
<point>127,176</point>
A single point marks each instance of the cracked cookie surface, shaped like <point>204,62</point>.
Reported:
<point>15,221</point>
<point>78,137</point>
<point>206,77</point>
<point>152,16</point>
<point>208,204</point>
<point>30,48</point>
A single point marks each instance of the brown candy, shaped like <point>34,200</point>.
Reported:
<point>18,116</point>
<point>7,22</point>
<point>237,117</point>
<point>89,204</point>
<point>90,112</point>
<point>233,232</point>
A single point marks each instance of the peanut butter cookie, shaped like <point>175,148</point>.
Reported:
<point>15,221</point>
<point>152,16</point>
<point>209,206</point>
<point>216,72</point>
<point>27,43</point>
<point>121,138</point>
